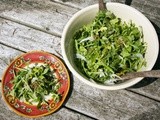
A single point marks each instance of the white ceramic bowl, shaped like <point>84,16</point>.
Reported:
<point>126,13</point>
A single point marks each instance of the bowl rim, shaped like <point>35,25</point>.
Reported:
<point>115,86</point>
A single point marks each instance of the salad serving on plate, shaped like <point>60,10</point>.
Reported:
<point>35,84</point>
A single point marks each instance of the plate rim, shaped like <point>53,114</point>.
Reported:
<point>44,114</point>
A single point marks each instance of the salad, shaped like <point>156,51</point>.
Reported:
<point>107,48</point>
<point>36,85</point>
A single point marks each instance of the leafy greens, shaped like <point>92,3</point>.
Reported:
<point>108,48</point>
<point>34,84</point>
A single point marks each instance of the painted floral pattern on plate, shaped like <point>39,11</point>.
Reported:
<point>25,109</point>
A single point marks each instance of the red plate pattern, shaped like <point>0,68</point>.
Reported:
<point>25,109</point>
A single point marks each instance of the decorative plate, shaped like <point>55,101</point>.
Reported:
<point>35,57</point>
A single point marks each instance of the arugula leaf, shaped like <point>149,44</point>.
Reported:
<point>33,84</point>
<point>108,48</point>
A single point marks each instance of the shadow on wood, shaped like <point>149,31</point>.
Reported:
<point>70,89</point>
<point>128,2</point>
<point>71,83</point>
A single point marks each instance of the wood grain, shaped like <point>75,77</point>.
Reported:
<point>150,8</point>
<point>42,22</point>
<point>76,102</point>
<point>24,38</point>
<point>61,114</point>
<point>41,15</point>
<point>83,3</point>
<point>46,15</point>
<point>96,103</point>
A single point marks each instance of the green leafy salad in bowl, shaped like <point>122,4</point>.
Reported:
<point>108,48</point>
<point>99,47</point>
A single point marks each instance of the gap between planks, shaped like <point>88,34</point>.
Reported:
<point>37,28</point>
<point>30,26</point>
<point>68,5</point>
<point>80,113</point>
<point>154,99</point>
<point>70,109</point>
<point>74,110</point>
<point>57,35</point>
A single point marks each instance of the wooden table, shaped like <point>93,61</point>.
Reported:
<point>27,25</point>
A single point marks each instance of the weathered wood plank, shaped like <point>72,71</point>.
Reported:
<point>6,57</point>
<point>61,114</point>
<point>42,14</point>
<point>37,13</point>
<point>96,103</point>
<point>27,39</point>
<point>145,5</point>
<point>85,99</point>
<point>152,114</point>
<point>83,3</point>
<point>76,3</point>
<point>96,109</point>
<point>150,8</point>
<point>8,38</point>
<point>142,91</point>
<point>47,15</point>
<point>78,102</point>
<point>22,12</point>
<point>134,104</point>
<point>148,87</point>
